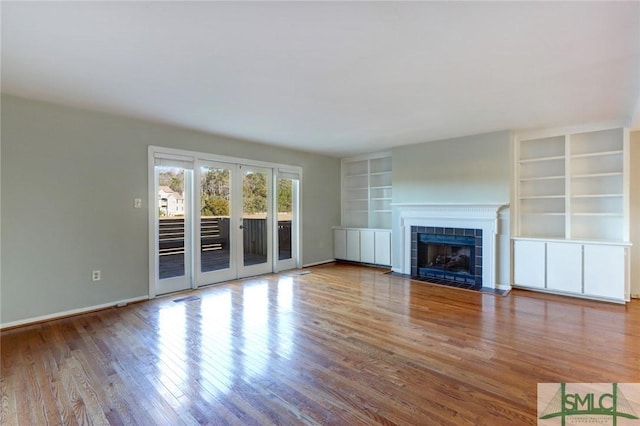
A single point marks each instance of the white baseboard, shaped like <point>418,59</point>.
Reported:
<point>503,287</point>
<point>72,312</point>
<point>323,262</point>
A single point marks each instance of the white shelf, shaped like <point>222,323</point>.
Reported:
<point>591,175</point>
<point>367,191</point>
<point>541,197</point>
<point>573,186</point>
<point>598,196</point>
<point>541,178</point>
<point>597,154</point>
<point>597,214</point>
<point>540,159</point>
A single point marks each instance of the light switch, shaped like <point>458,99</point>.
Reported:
<point>137,203</point>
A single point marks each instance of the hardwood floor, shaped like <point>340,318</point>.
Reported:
<point>343,345</point>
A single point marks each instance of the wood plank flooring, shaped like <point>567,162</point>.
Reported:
<point>341,345</point>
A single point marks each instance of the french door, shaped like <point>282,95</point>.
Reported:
<point>235,225</point>
<point>173,254</point>
<point>217,220</point>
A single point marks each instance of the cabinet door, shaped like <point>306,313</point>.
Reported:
<point>604,271</point>
<point>367,250</point>
<point>340,243</point>
<point>383,247</point>
<point>353,245</point>
<point>529,263</point>
<point>564,267</point>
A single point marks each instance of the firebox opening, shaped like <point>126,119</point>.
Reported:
<point>448,257</point>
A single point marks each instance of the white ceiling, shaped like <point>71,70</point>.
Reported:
<point>338,78</point>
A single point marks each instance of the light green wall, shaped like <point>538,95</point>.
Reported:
<point>69,178</point>
<point>473,169</point>
<point>634,204</point>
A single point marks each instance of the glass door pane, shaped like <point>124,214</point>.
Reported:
<point>215,209</point>
<point>255,220</point>
<point>173,228</point>
<point>285,216</point>
<point>171,247</point>
<point>287,208</point>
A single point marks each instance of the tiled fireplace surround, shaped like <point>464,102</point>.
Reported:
<point>438,230</point>
<point>481,219</point>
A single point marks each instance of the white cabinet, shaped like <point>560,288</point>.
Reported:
<point>604,271</point>
<point>590,270</point>
<point>571,196</point>
<point>365,234</point>
<point>564,267</point>
<point>353,245</point>
<point>382,247</point>
<point>367,246</point>
<point>529,263</point>
<point>371,246</point>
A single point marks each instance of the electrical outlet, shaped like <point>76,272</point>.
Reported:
<point>95,276</point>
<point>137,203</point>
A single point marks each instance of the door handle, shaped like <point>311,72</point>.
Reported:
<point>241,227</point>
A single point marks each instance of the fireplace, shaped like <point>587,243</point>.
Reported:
<point>450,256</point>
<point>473,231</point>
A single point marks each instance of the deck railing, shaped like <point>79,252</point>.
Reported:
<point>214,235</point>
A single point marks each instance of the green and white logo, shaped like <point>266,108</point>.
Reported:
<point>614,404</point>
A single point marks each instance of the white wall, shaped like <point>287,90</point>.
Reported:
<point>474,169</point>
<point>69,178</point>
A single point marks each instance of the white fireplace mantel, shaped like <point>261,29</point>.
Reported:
<point>468,216</point>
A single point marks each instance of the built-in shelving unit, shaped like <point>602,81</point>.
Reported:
<point>571,197</point>
<point>542,187</point>
<point>572,186</point>
<point>597,188</point>
<point>365,234</point>
<point>366,191</point>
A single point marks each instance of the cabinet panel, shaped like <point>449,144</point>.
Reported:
<point>340,243</point>
<point>353,245</point>
<point>604,271</point>
<point>529,263</point>
<point>383,248</point>
<point>367,250</point>
<point>564,267</point>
